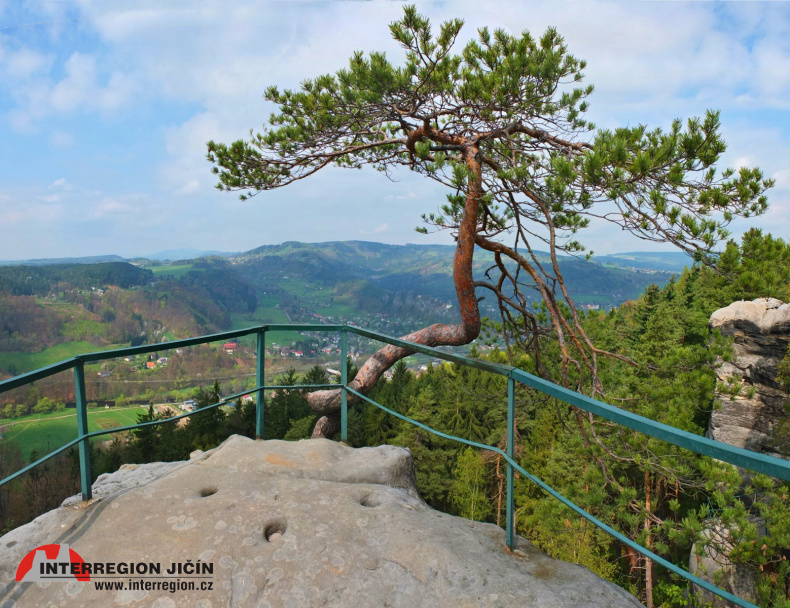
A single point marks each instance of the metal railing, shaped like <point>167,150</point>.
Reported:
<point>754,461</point>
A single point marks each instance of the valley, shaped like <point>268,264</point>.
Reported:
<point>51,312</point>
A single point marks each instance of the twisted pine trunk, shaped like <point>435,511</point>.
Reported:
<point>327,402</point>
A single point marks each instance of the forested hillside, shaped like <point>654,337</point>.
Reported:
<point>386,287</point>
<point>397,270</point>
<point>43,280</point>
<point>95,305</point>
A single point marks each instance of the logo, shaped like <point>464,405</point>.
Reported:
<point>51,563</point>
<point>59,563</point>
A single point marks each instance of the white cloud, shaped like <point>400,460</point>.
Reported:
<point>108,207</point>
<point>377,230</point>
<point>207,64</point>
<point>50,198</point>
<point>60,139</point>
<point>743,161</point>
<point>60,183</point>
<point>782,178</point>
<point>24,63</point>
<point>81,89</point>
<point>401,197</point>
<point>190,187</point>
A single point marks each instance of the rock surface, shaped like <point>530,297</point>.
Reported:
<point>715,566</point>
<point>309,523</point>
<point>761,330</point>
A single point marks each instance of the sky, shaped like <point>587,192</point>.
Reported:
<point>106,107</point>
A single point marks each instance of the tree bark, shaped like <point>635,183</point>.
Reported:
<point>327,402</point>
<point>648,543</point>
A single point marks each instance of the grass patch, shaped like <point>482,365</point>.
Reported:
<point>25,362</point>
<point>106,424</point>
<point>268,314</point>
<point>339,310</point>
<point>172,270</point>
<point>284,338</point>
<point>46,432</point>
<point>268,300</point>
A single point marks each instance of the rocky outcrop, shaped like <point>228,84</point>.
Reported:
<point>715,566</point>
<point>746,419</point>
<point>309,523</point>
<point>761,330</point>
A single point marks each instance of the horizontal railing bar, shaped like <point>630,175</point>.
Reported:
<point>482,446</point>
<point>38,374</point>
<point>591,518</point>
<point>149,348</point>
<point>305,327</point>
<point>118,429</point>
<point>294,386</point>
<point>169,419</point>
<point>41,460</point>
<point>761,463</point>
<point>496,368</point>
<point>197,411</point>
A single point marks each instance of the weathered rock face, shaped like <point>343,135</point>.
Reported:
<point>715,566</point>
<point>309,523</point>
<point>761,330</point>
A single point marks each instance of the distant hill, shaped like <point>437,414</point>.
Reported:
<point>426,270</point>
<point>186,254</point>
<point>94,259</point>
<point>672,261</point>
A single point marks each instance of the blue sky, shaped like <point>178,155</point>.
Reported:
<point>105,109</point>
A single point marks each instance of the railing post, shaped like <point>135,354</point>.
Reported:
<point>344,382</point>
<point>261,380</point>
<point>82,429</point>
<point>511,423</point>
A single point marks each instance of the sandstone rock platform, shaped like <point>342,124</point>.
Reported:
<point>293,524</point>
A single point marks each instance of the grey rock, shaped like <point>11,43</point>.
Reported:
<point>127,477</point>
<point>715,566</point>
<point>309,523</point>
<point>760,329</point>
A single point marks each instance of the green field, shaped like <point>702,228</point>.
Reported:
<point>173,271</point>
<point>25,362</point>
<point>262,314</point>
<point>47,432</point>
<point>267,300</point>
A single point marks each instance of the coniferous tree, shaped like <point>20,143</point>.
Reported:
<point>500,125</point>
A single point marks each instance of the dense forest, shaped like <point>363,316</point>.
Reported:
<point>42,280</point>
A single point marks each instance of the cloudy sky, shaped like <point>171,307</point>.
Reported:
<point>105,109</point>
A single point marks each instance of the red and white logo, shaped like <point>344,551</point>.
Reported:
<point>49,563</point>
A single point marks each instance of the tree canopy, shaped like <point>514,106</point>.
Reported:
<point>501,125</point>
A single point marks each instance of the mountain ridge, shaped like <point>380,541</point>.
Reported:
<point>672,261</point>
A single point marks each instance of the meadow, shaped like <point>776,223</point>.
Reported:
<point>43,433</point>
<point>171,270</point>
<point>25,362</point>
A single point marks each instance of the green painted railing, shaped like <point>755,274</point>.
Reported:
<point>754,461</point>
